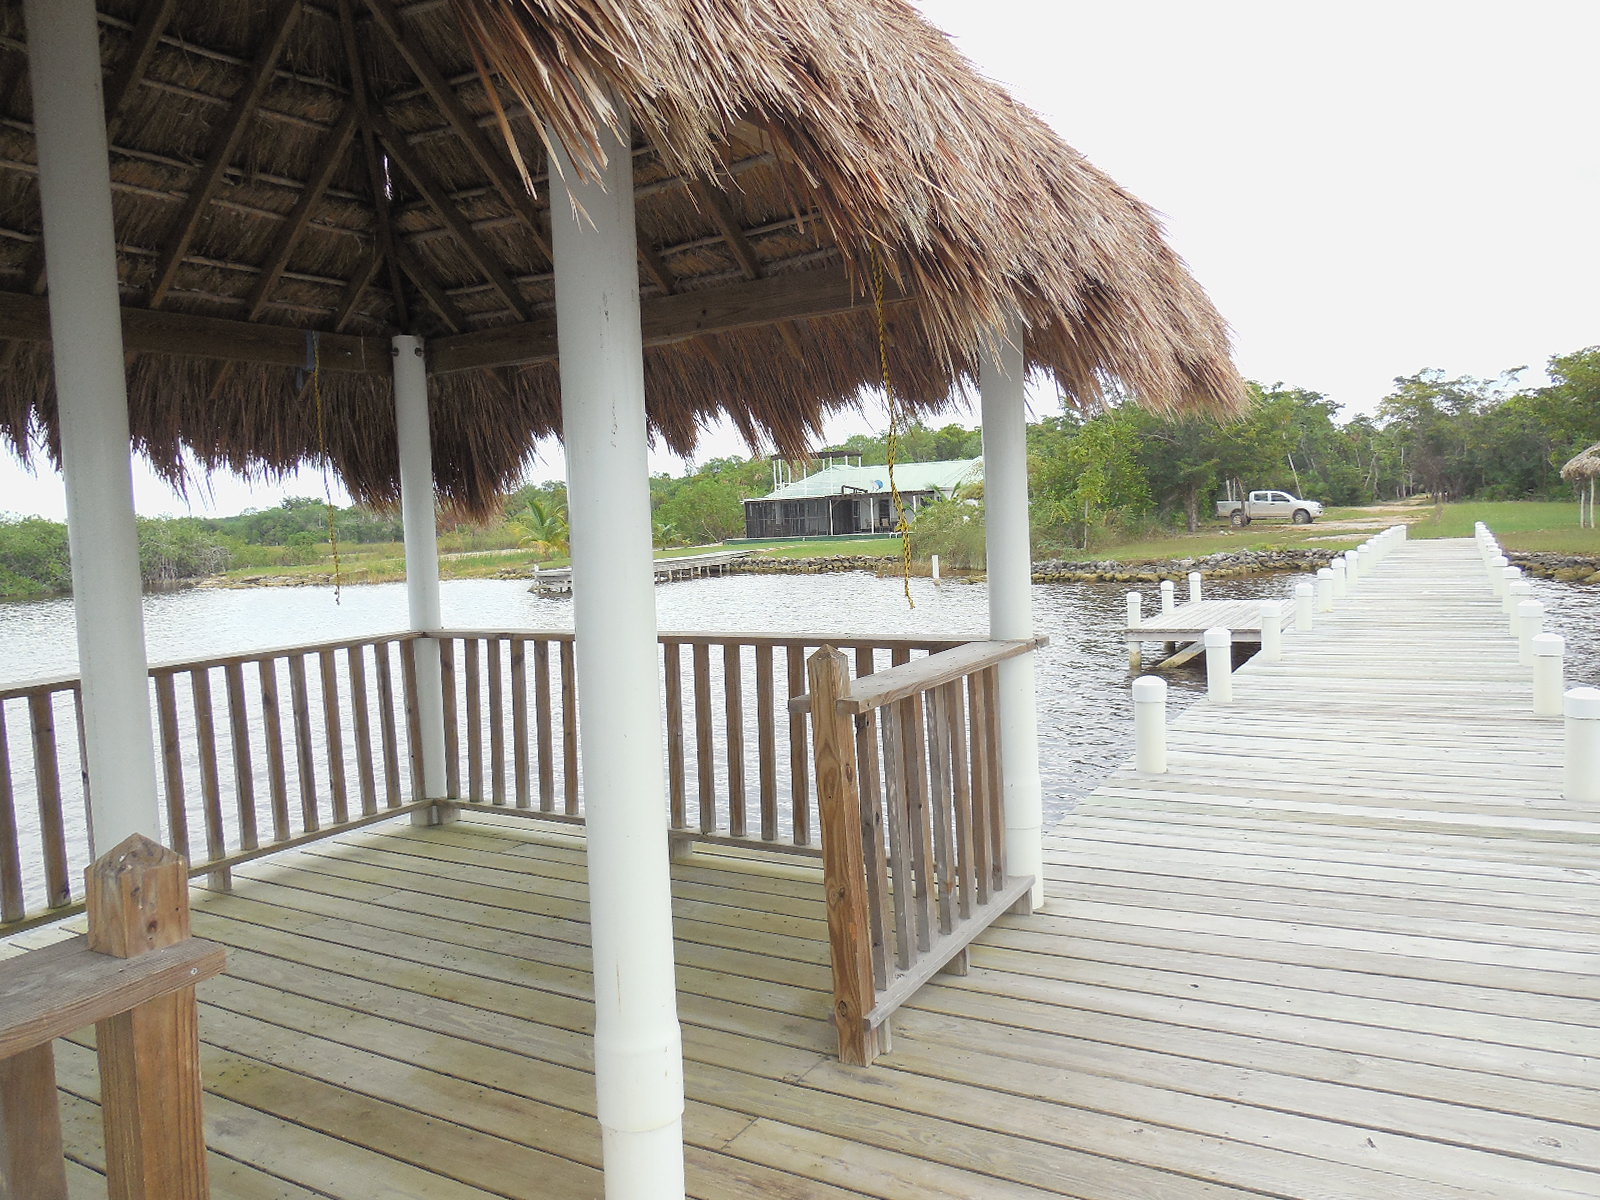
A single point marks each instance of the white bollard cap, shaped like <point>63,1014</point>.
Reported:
<point>1499,560</point>
<point>1271,608</point>
<point>1582,703</point>
<point>1324,572</point>
<point>1167,585</point>
<point>1549,645</point>
<point>1218,635</point>
<point>1529,608</point>
<point>1305,589</point>
<point>1149,689</point>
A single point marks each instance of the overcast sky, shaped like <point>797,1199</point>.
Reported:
<point>1365,188</point>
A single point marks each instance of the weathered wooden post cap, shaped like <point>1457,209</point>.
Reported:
<point>137,897</point>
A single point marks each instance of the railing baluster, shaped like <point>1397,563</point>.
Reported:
<point>172,763</point>
<point>333,734</point>
<point>361,722</point>
<point>408,681</point>
<point>875,861</point>
<point>799,784</point>
<point>519,721</point>
<point>977,743</point>
<point>47,769</point>
<point>495,649</point>
<point>942,876</point>
<point>474,686</point>
<point>205,734</point>
<point>12,902</point>
<point>894,779</point>
<point>997,813</point>
<point>733,719</point>
<point>705,745</point>
<point>918,828</point>
<point>388,735</point>
<point>569,723</point>
<point>766,743</point>
<point>452,730</point>
<point>277,771</point>
<point>672,665</point>
<point>544,703</point>
<point>244,772</point>
<point>955,737</point>
<point>300,703</point>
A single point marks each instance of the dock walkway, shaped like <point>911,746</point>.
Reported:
<point>1346,948</point>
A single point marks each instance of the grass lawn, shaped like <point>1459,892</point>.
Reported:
<point>1533,525</point>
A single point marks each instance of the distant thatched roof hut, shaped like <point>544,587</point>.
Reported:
<point>1585,465</point>
<point>295,182</point>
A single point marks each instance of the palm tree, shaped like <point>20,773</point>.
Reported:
<point>543,529</point>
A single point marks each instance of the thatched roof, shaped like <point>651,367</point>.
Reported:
<point>355,168</point>
<point>1583,465</point>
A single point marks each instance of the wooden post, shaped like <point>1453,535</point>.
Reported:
<point>843,861</point>
<point>138,901</point>
<point>31,1163</point>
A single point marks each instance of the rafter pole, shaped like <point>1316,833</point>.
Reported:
<point>431,291</point>
<point>487,263</point>
<point>499,172</point>
<point>135,61</point>
<point>379,185</point>
<point>92,412</point>
<point>222,151</point>
<point>717,206</point>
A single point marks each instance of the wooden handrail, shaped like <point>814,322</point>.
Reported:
<point>134,978</point>
<point>922,675</point>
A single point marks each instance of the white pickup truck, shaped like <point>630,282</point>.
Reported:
<point>1268,506</point>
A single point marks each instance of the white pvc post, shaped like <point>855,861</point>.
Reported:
<point>1530,624</point>
<point>1352,571</point>
<point>422,551</point>
<point>1517,591</point>
<point>1325,584</point>
<point>1340,570</point>
<point>638,1048</point>
<point>1510,575</point>
<point>1150,724</point>
<point>1135,618</point>
<point>1581,773</point>
<point>1497,575</point>
<point>1194,587</point>
<point>1169,595</point>
<point>1303,605</point>
<point>934,561</point>
<point>1549,650</point>
<point>92,413</point>
<point>1366,559</point>
<point>1005,454</point>
<point>1271,631</point>
<point>1219,664</point>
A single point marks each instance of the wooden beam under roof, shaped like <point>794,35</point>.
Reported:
<point>222,151</point>
<point>135,60</point>
<point>666,319</point>
<point>716,204</point>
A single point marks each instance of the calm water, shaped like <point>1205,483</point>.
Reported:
<point>1084,707</point>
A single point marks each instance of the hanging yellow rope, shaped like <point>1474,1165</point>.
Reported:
<point>322,448</point>
<point>902,523</point>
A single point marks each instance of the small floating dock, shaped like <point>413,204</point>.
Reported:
<point>685,566</point>
<point>1189,622</point>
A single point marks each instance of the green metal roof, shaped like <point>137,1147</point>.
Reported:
<point>836,480</point>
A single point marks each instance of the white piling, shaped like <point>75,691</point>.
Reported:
<point>1303,605</point>
<point>1517,591</point>
<point>1219,664</point>
<point>1150,724</point>
<point>1366,559</point>
<point>1341,577</point>
<point>1169,595</point>
<point>1497,575</point>
<point>1530,624</point>
<point>934,560</point>
<point>1352,572</point>
<point>1581,777</point>
<point>1135,619</point>
<point>1508,576</point>
<point>1549,650</point>
<point>1194,587</point>
<point>1271,631</point>
<point>1325,589</point>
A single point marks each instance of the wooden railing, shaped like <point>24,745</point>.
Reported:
<point>910,788</point>
<point>269,749</point>
<point>133,977</point>
<point>257,752</point>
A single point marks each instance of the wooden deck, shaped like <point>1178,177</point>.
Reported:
<point>1189,621</point>
<point>1345,949</point>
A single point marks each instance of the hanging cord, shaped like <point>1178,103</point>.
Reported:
<point>322,447</point>
<point>902,522</point>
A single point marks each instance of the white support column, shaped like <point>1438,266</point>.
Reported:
<point>1010,561</point>
<point>92,406</point>
<point>637,1041</point>
<point>422,550</point>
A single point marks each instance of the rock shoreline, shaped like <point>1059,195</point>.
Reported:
<point>1568,568</point>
